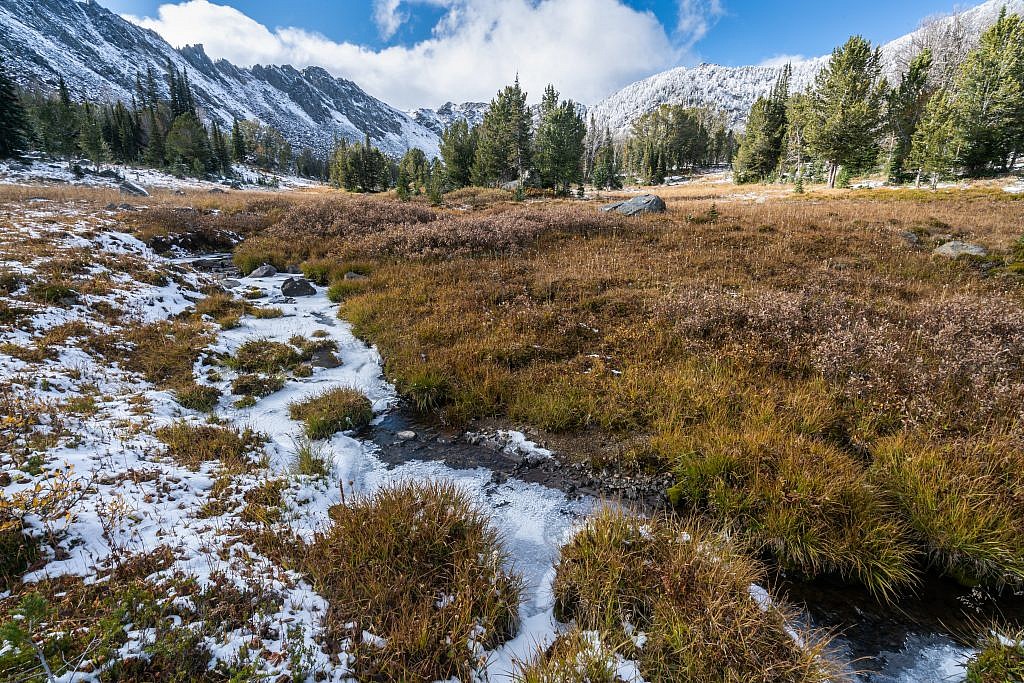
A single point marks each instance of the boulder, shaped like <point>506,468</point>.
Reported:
<point>130,188</point>
<point>109,173</point>
<point>956,248</point>
<point>266,270</point>
<point>297,286</point>
<point>352,275</point>
<point>644,203</point>
<point>230,283</point>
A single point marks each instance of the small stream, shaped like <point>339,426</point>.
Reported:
<point>922,639</point>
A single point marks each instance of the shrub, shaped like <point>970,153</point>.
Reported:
<point>332,411</point>
<point>196,396</point>
<point>256,385</point>
<point>17,550</point>
<point>191,445</point>
<point>419,566</point>
<point>690,592</point>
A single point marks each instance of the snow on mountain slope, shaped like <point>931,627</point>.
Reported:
<point>99,54</point>
<point>437,120</point>
<point>735,89</point>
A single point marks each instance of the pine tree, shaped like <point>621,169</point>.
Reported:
<point>606,166</point>
<point>845,111</point>
<point>905,106</point>
<point>990,98</point>
<point>14,127</point>
<point>188,145</point>
<point>238,150</point>
<point>934,149</point>
<point>458,149</point>
<point>559,148</point>
<point>156,152</point>
<point>221,155</point>
<point>503,148</point>
<point>91,137</point>
<point>339,165</point>
<point>762,148</point>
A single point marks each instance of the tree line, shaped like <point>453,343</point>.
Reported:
<point>152,130</point>
<point>953,113</point>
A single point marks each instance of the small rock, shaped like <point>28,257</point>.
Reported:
<point>130,188</point>
<point>912,239</point>
<point>352,275</point>
<point>109,173</point>
<point>230,283</point>
<point>324,358</point>
<point>297,286</point>
<point>266,270</point>
<point>645,203</point>
<point>957,248</point>
<point>406,435</point>
<point>216,190</point>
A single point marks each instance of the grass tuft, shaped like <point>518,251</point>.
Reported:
<point>191,445</point>
<point>331,411</point>
<point>419,566</point>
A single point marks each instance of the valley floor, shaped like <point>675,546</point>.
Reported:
<point>183,495</point>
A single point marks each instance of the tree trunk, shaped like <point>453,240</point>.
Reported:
<point>833,171</point>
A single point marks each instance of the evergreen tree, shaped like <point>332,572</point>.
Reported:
<point>188,146</point>
<point>415,168</point>
<point>68,132</point>
<point>905,107</point>
<point>402,184</point>
<point>845,107</point>
<point>990,98</point>
<point>458,149</point>
<point>91,137</point>
<point>503,148</point>
<point>606,166</point>
<point>221,155</point>
<point>559,145</point>
<point>156,152</point>
<point>934,148</point>
<point>238,150</point>
<point>339,165</point>
<point>14,126</point>
<point>762,148</point>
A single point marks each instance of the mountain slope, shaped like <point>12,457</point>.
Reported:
<point>735,89</point>
<point>99,54</point>
<point>439,119</point>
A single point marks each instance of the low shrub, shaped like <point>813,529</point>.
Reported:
<point>17,550</point>
<point>332,411</point>
<point>419,566</point>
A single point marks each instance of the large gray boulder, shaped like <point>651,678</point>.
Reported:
<point>297,286</point>
<point>130,188</point>
<point>266,270</point>
<point>956,248</point>
<point>644,203</point>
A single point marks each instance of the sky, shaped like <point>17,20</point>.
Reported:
<point>421,53</point>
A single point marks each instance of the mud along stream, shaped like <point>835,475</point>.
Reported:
<point>536,500</point>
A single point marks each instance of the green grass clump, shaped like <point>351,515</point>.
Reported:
<point>689,591</point>
<point>419,565</point>
<point>17,550</point>
<point>962,502</point>
<point>574,656</point>
<point>332,411</point>
<point>266,312</point>
<point>51,292</point>
<point>256,385</point>
<point>196,396</point>
<point>342,289</point>
<point>264,355</point>
<point>310,459</point>
<point>191,445</point>
<point>1001,660</point>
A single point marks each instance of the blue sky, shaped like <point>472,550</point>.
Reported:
<point>749,31</point>
<point>422,52</point>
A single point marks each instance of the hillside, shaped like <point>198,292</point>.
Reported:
<point>735,89</point>
<point>99,54</point>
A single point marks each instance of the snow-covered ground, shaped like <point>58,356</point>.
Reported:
<point>34,172</point>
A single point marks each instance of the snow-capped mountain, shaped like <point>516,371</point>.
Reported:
<point>99,54</point>
<point>735,89</point>
<point>439,119</point>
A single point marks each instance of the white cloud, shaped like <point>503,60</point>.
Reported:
<point>696,18</point>
<point>388,17</point>
<point>587,48</point>
<point>782,60</point>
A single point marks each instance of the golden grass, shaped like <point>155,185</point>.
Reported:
<point>331,411</point>
<point>689,592</point>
